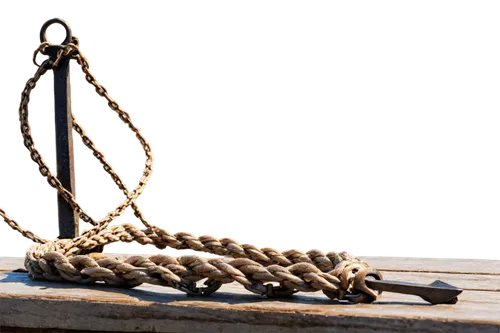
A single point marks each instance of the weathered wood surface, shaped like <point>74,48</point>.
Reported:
<point>33,306</point>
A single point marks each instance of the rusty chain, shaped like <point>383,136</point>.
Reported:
<point>295,271</point>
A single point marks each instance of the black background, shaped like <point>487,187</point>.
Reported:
<point>276,126</point>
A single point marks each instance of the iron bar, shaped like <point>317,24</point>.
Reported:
<point>68,220</point>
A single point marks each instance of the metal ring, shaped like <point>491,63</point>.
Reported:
<point>43,31</point>
<point>360,285</point>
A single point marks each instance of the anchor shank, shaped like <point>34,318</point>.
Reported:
<point>437,292</point>
<point>399,287</point>
<point>68,220</point>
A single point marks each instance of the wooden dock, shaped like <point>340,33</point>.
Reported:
<point>39,306</point>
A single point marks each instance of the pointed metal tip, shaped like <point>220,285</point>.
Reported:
<point>442,284</point>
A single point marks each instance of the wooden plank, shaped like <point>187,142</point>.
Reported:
<point>45,305</point>
<point>151,308</point>
<point>462,266</point>
<point>11,263</point>
<point>6,329</point>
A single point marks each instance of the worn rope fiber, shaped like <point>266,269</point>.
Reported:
<point>71,259</point>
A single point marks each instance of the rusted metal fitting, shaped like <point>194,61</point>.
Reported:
<point>270,290</point>
<point>257,288</point>
<point>361,292</point>
<point>211,287</point>
<point>192,290</point>
<point>279,291</point>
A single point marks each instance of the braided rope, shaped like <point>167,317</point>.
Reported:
<point>68,260</point>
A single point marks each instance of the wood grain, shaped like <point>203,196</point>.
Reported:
<point>456,266</point>
<point>63,306</point>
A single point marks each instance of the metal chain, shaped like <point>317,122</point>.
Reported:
<point>72,50</point>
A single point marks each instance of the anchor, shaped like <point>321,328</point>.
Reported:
<point>75,254</point>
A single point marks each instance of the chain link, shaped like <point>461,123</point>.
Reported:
<point>72,50</point>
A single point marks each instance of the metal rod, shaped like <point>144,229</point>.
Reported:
<point>68,220</point>
<point>437,292</point>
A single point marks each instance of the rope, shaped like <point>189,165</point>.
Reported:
<point>263,271</point>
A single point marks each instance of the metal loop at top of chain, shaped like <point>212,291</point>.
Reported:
<point>43,31</point>
<point>68,47</point>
